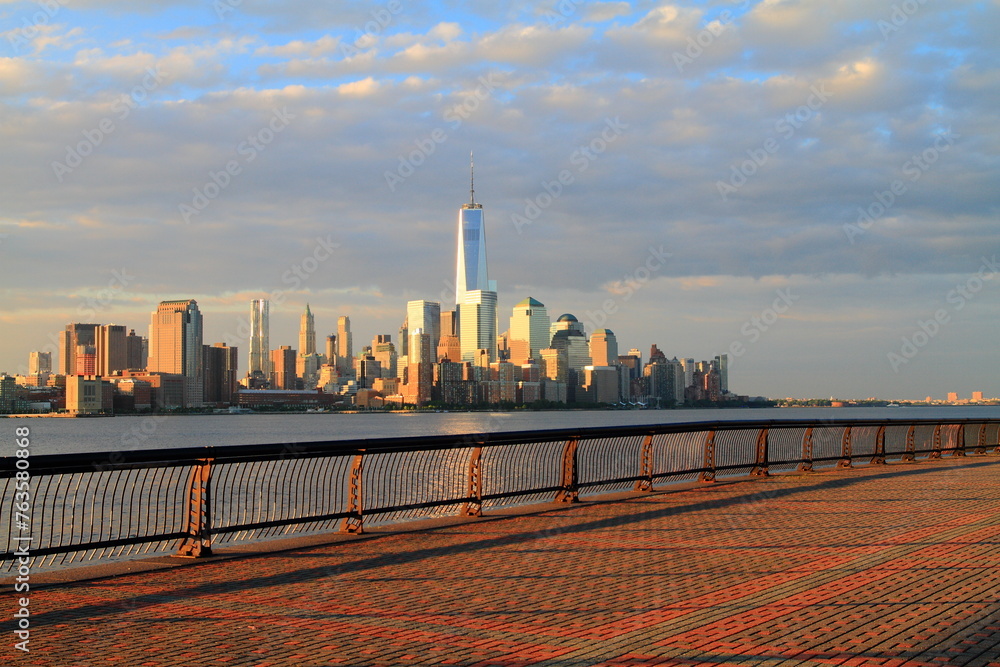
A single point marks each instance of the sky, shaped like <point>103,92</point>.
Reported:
<point>811,187</point>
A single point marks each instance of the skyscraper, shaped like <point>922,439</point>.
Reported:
<point>73,337</point>
<point>307,333</point>
<point>722,361</point>
<point>478,322</point>
<point>260,344</point>
<point>471,273</point>
<point>39,362</point>
<point>111,348</point>
<point>426,316</point>
<point>283,365</point>
<point>175,334</point>
<point>604,348</point>
<point>220,362</point>
<point>529,331</point>
<point>136,351</point>
<point>475,293</point>
<point>345,346</point>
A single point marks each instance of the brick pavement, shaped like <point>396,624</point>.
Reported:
<point>888,565</point>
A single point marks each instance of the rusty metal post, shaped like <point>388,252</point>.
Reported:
<point>878,458</point>
<point>198,542</point>
<point>355,500</point>
<point>569,492</point>
<point>474,505</point>
<point>959,441</point>
<point>708,474</point>
<point>760,466</point>
<point>646,483</point>
<point>909,455</point>
<point>981,440</point>
<point>807,451</point>
<point>936,447</point>
<point>845,450</point>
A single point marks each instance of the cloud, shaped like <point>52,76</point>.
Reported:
<point>532,99</point>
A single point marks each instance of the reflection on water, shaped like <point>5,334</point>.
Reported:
<point>58,436</point>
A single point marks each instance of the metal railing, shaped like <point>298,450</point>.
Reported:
<point>187,501</point>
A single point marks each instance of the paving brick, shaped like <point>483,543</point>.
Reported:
<point>891,565</point>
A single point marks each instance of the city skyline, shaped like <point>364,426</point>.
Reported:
<point>811,186</point>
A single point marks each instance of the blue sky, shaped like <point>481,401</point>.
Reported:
<point>842,156</point>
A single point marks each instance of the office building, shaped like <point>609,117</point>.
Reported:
<point>89,395</point>
<point>478,321</point>
<point>307,333</point>
<point>426,317</point>
<point>529,331</point>
<point>39,363</point>
<point>70,339</point>
<point>136,351</point>
<point>330,358</point>
<point>471,271</point>
<point>604,348</point>
<point>568,334</point>
<point>175,345</point>
<point>111,349</point>
<point>220,362</point>
<point>345,346</point>
<point>385,354</point>
<point>283,368</point>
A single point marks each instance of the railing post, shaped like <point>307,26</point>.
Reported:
<point>936,446</point>
<point>981,440</point>
<point>708,472</point>
<point>569,492</point>
<point>909,454</point>
<point>959,441</point>
<point>760,466</point>
<point>878,458</point>
<point>646,483</point>
<point>474,505</point>
<point>806,465</point>
<point>355,501</point>
<point>198,542</point>
<point>845,450</point>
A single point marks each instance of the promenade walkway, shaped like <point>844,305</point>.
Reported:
<point>887,565</point>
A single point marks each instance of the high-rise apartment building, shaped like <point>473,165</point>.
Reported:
<point>307,333</point>
<point>722,364</point>
<point>529,331</point>
<point>175,335</point>
<point>260,343</point>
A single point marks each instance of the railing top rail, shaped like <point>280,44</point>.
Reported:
<point>107,460</point>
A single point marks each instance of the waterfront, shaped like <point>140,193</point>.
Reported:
<point>63,436</point>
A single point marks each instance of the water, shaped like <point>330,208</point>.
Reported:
<point>62,436</point>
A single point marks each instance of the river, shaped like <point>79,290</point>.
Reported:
<point>63,436</point>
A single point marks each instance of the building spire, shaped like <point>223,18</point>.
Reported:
<point>472,180</point>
